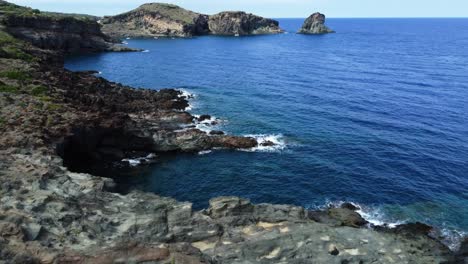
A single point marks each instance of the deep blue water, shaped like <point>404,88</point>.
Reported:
<point>375,114</point>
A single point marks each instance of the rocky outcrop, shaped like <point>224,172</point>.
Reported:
<point>315,24</point>
<point>241,23</point>
<point>166,20</point>
<point>55,31</point>
<point>156,20</point>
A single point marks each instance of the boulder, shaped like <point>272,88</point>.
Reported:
<point>216,132</point>
<point>315,24</point>
<point>204,117</point>
<point>231,210</point>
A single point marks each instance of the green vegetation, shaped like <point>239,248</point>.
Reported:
<point>12,9</point>
<point>2,122</point>
<point>16,75</point>
<point>11,47</point>
<point>6,38</point>
<point>8,8</point>
<point>53,107</point>
<point>4,88</point>
<point>171,11</point>
<point>39,91</point>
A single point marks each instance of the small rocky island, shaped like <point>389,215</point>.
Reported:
<point>315,24</point>
<point>167,20</point>
<point>52,121</point>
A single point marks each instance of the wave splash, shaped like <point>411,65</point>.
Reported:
<point>376,216</point>
<point>268,143</point>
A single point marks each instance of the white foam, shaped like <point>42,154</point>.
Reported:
<point>204,152</point>
<point>277,140</point>
<point>124,42</point>
<point>145,51</point>
<point>208,125</point>
<point>373,215</point>
<point>186,94</point>
<point>452,238</point>
<point>128,38</point>
<point>99,73</point>
<point>142,160</point>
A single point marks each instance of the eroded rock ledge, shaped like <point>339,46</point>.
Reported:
<point>49,214</point>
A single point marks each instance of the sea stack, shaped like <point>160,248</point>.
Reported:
<point>315,24</point>
<point>241,23</point>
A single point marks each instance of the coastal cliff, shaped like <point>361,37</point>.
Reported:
<point>156,20</point>
<point>56,124</point>
<point>54,31</point>
<point>315,24</point>
<point>166,20</point>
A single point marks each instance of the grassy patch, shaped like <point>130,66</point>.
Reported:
<point>16,53</point>
<point>2,122</point>
<point>53,107</point>
<point>39,91</point>
<point>4,88</point>
<point>44,98</point>
<point>16,75</point>
<point>6,38</point>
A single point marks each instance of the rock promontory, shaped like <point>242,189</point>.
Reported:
<point>167,20</point>
<point>156,20</point>
<point>241,23</point>
<point>315,24</point>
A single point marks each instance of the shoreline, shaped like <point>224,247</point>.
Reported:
<point>56,124</point>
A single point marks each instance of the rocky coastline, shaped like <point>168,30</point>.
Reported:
<point>56,124</point>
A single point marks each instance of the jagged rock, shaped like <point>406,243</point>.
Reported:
<point>349,206</point>
<point>233,142</point>
<point>233,210</point>
<point>338,217</point>
<point>204,117</point>
<point>315,24</point>
<point>241,23</point>
<point>216,132</point>
<point>267,143</point>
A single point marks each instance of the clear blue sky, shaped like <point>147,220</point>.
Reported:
<point>272,8</point>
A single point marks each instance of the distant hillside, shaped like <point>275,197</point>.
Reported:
<point>152,20</point>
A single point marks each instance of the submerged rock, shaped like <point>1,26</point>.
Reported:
<point>315,24</point>
<point>241,23</point>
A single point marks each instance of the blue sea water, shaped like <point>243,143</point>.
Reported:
<point>376,114</point>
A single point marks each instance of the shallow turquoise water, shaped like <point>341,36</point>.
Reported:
<point>375,114</point>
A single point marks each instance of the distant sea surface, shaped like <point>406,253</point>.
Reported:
<point>376,114</point>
